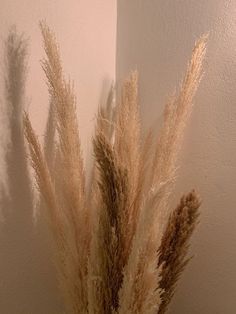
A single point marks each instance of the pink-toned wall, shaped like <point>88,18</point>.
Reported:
<point>156,37</point>
<point>86,30</point>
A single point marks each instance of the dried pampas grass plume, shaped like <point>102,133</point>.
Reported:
<point>176,114</point>
<point>110,235</point>
<point>107,233</point>
<point>174,247</point>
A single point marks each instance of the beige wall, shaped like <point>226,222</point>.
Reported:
<point>86,31</point>
<point>157,36</point>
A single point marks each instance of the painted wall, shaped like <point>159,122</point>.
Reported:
<point>156,37</point>
<point>86,31</point>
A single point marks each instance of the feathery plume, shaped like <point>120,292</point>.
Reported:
<point>65,194</point>
<point>110,236</point>
<point>177,112</point>
<point>65,257</point>
<point>73,190</point>
<point>127,146</point>
<point>64,102</point>
<point>172,258</point>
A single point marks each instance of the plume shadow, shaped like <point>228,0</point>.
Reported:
<point>27,279</point>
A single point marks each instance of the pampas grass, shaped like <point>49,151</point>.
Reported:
<point>112,250</point>
<point>175,244</point>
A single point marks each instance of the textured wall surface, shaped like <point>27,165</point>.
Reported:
<point>86,31</point>
<point>156,37</point>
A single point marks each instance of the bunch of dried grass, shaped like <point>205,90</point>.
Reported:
<point>106,244</point>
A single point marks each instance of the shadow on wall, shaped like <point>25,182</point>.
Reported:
<point>27,276</point>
